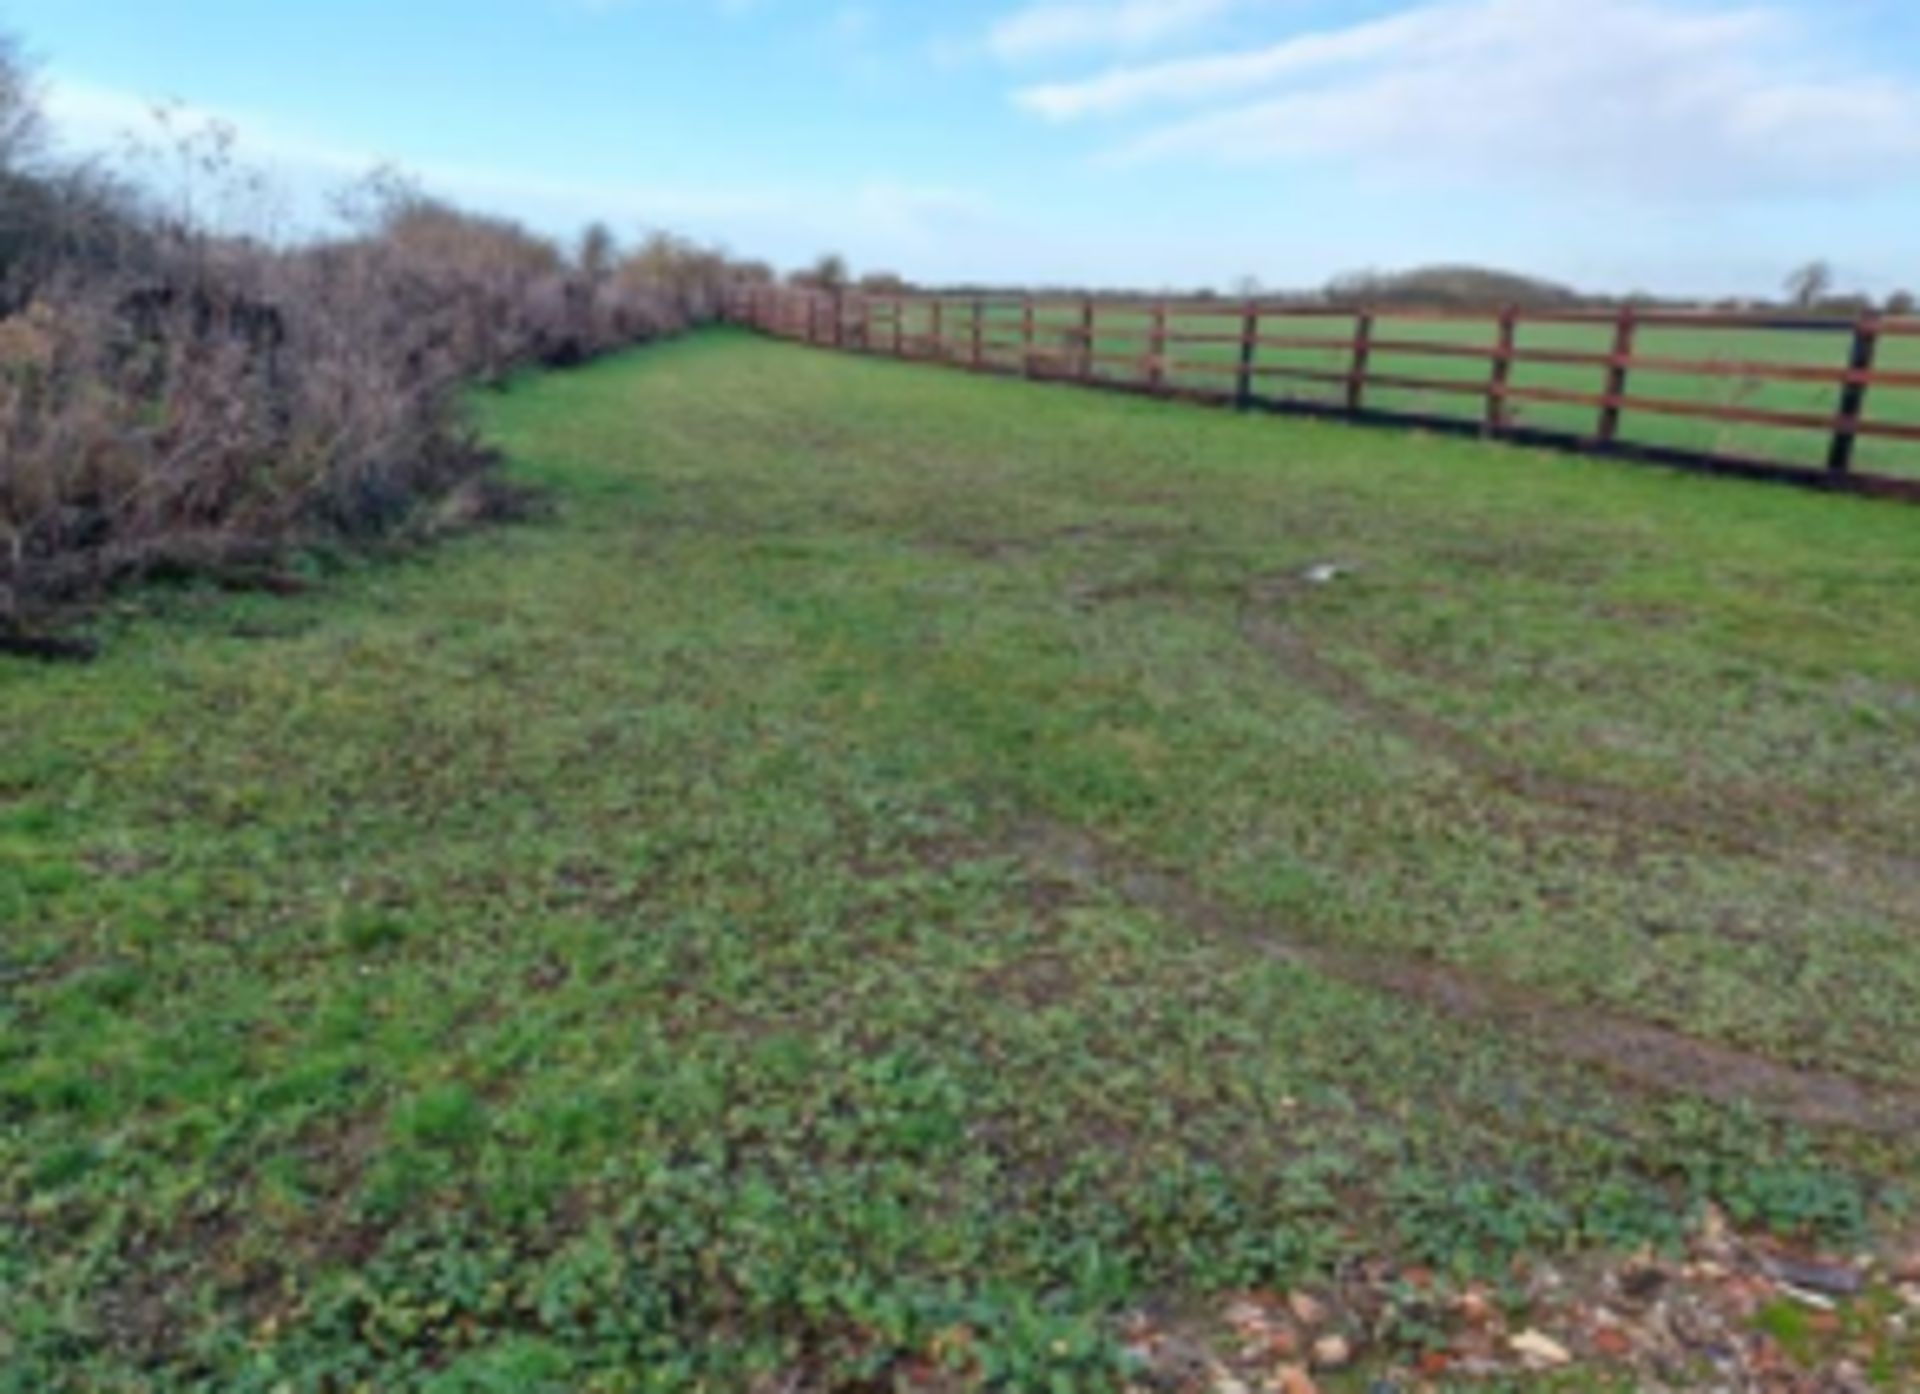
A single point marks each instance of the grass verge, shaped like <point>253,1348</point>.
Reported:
<point>877,878</point>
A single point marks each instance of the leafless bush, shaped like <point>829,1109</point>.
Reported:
<point>19,112</point>
<point>175,397</point>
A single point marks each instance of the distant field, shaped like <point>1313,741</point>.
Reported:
<point>1126,333</point>
<point>905,867</point>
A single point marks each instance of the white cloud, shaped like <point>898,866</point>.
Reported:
<point>1636,96</point>
<point>1219,75</point>
<point>1056,26</point>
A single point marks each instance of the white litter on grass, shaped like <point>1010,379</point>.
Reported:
<point>1325,574</point>
<point>1540,1350</point>
<point>1807,1298</point>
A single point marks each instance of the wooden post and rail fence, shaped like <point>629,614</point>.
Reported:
<point>1008,335</point>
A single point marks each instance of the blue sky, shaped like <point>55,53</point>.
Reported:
<point>1675,145</point>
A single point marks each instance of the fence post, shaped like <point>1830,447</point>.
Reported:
<point>1026,336</point>
<point>939,348</point>
<point>1157,349</point>
<point>1497,416</point>
<point>839,319</point>
<point>1623,336</point>
<point>1853,396</point>
<point>899,327</point>
<point>1249,333</point>
<point>1362,356</point>
<point>979,318</point>
<point>1086,339</point>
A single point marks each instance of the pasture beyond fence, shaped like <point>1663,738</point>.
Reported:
<point>1801,398</point>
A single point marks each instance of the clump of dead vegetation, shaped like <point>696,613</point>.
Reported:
<point>178,398</point>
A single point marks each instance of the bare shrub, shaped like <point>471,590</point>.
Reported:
<point>20,123</point>
<point>176,398</point>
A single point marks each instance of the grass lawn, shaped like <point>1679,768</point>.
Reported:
<point>901,853</point>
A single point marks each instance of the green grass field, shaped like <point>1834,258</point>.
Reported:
<point>901,853</point>
<point>1213,365</point>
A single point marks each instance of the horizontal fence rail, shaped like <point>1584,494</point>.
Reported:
<point>1222,352</point>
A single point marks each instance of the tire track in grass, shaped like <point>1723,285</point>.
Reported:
<point>1697,822</point>
<point>1645,1056</point>
<point>1776,834</point>
<point>1708,825</point>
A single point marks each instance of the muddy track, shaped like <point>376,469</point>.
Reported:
<point>1653,1058</point>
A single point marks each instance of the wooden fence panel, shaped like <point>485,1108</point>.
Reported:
<point>1145,340</point>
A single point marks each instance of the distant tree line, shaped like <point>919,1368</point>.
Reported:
<point>1809,288</point>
